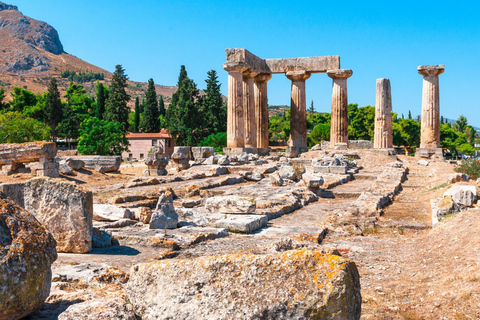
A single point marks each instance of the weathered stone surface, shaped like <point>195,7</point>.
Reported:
<point>190,203</point>
<point>230,204</point>
<point>75,164</point>
<point>383,137</point>
<point>101,238</point>
<point>190,217</point>
<point>164,215</point>
<point>457,177</point>
<point>199,153</point>
<point>122,223</point>
<point>316,147</point>
<point>27,152</point>
<point>223,161</point>
<point>423,162</point>
<point>100,163</point>
<point>27,251</point>
<point>298,117</point>
<point>145,215</point>
<point>312,180</point>
<point>276,180</point>
<point>181,157</point>
<point>462,195</point>
<point>287,172</point>
<point>65,168</point>
<point>109,212</point>
<point>14,191</point>
<point>98,309</point>
<point>339,121</point>
<point>65,209</point>
<point>251,176</point>
<point>298,284</point>
<point>242,223</point>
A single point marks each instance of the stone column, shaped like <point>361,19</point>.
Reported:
<point>261,111</point>
<point>298,110</point>
<point>235,121</point>
<point>339,120</point>
<point>383,138</point>
<point>430,132</point>
<point>249,112</point>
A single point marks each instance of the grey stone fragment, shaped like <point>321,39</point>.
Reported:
<point>463,195</point>
<point>122,223</point>
<point>312,181</point>
<point>252,176</point>
<point>230,204</point>
<point>190,203</point>
<point>190,217</point>
<point>164,215</point>
<point>109,212</point>
<point>423,162</point>
<point>75,164</point>
<point>245,224</point>
<point>223,161</point>
<point>14,191</point>
<point>276,180</point>
<point>65,168</point>
<point>287,172</point>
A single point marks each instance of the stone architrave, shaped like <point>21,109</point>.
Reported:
<point>261,110</point>
<point>383,138</point>
<point>235,121</point>
<point>430,132</point>
<point>339,121</point>
<point>249,115</point>
<point>298,109</point>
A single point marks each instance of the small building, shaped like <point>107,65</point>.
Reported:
<point>141,143</point>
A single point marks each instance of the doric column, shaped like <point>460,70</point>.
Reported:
<point>339,119</point>
<point>298,109</point>
<point>235,123</point>
<point>261,109</point>
<point>383,138</point>
<point>249,110</point>
<point>430,133</point>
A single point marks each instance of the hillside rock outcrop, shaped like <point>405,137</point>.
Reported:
<point>297,284</point>
<point>27,251</point>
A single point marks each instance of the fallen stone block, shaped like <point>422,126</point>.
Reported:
<point>296,284</point>
<point>276,180</point>
<point>109,212</point>
<point>462,195</point>
<point>64,167</point>
<point>122,223</point>
<point>423,162</point>
<point>65,209</point>
<point>27,251</point>
<point>312,181</point>
<point>164,216</point>
<point>230,204</point>
<point>101,238</point>
<point>101,164</point>
<point>15,192</point>
<point>75,164</point>
<point>223,161</point>
<point>244,223</point>
<point>190,217</point>
<point>191,203</point>
<point>199,153</point>
<point>287,172</point>
<point>251,176</point>
<point>190,235</point>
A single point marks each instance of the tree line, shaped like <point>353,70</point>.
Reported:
<point>458,137</point>
<point>99,123</point>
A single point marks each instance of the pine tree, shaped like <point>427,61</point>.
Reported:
<point>150,117</point>
<point>117,109</point>
<point>182,75</point>
<point>442,121</point>
<point>213,111</point>
<point>311,108</point>
<point>161,106</point>
<point>53,107</point>
<point>182,116</point>
<point>100,101</point>
<point>136,123</point>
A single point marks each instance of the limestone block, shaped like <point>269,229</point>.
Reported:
<point>230,204</point>
<point>223,161</point>
<point>202,152</point>
<point>210,160</point>
<point>190,217</point>
<point>164,215</point>
<point>287,172</point>
<point>190,203</point>
<point>296,284</point>
<point>65,168</point>
<point>145,215</point>
<point>276,180</point>
<point>423,162</point>
<point>75,164</point>
<point>14,191</point>
<point>101,238</point>
<point>47,168</point>
<point>463,195</point>
<point>100,163</point>
<point>27,251</point>
<point>27,152</point>
<point>251,176</point>
<point>312,181</point>
<point>154,172</point>
<point>65,209</point>
<point>244,223</point>
<point>110,212</point>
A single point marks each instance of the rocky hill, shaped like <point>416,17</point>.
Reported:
<point>31,52</point>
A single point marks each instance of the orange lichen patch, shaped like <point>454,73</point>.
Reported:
<point>169,254</point>
<point>164,243</point>
<point>306,237</point>
<point>112,275</point>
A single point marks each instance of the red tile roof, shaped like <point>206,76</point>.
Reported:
<point>137,135</point>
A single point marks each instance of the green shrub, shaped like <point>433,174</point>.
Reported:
<point>217,140</point>
<point>470,167</point>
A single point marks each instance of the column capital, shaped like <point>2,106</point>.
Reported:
<point>300,75</point>
<point>340,73</point>
<point>262,77</point>
<point>235,67</point>
<point>431,70</point>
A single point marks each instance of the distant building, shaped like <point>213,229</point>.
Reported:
<point>141,143</point>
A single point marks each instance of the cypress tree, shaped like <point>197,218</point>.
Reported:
<point>117,109</point>
<point>100,93</point>
<point>182,116</point>
<point>213,110</point>
<point>161,106</point>
<point>53,107</point>
<point>409,114</point>
<point>150,116</point>
<point>136,122</point>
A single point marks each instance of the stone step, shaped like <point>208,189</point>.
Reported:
<point>365,176</point>
<point>402,224</point>
<point>242,223</point>
<point>328,194</point>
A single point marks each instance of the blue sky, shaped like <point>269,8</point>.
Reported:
<point>376,39</point>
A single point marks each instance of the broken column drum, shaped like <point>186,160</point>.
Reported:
<point>430,131</point>
<point>339,118</point>
<point>298,110</point>
<point>383,138</point>
<point>235,121</point>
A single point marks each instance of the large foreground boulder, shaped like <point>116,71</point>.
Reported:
<point>65,209</point>
<point>27,251</point>
<point>298,284</point>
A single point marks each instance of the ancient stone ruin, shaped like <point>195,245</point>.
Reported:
<point>247,122</point>
<point>13,158</point>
